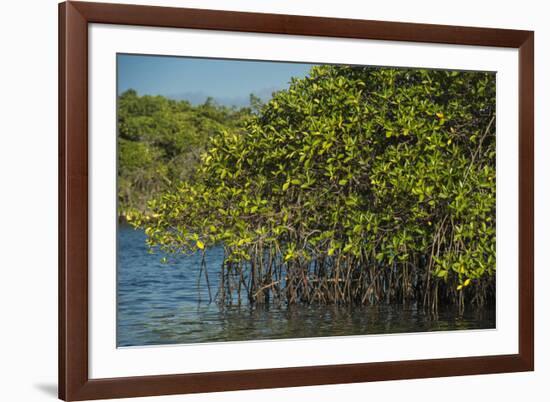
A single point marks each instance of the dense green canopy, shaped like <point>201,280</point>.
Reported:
<point>355,185</point>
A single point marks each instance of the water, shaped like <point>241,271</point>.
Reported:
<point>162,304</point>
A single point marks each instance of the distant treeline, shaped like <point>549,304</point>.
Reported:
<point>160,141</point>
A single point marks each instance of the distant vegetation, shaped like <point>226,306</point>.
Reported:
<point>160,140</point>
<point>355,185</point>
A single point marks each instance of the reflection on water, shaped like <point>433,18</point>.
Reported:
<point>163,304</point>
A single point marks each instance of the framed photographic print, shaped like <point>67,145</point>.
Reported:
<point>260,200</point>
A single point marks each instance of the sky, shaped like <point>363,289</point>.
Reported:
<point>229,82</point>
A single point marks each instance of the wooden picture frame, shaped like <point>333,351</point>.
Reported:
<point>74,381</point>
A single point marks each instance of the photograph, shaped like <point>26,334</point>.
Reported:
<point>266,201</point>
<point>263,200</point>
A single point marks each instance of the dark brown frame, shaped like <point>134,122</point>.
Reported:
<point>74,383</point>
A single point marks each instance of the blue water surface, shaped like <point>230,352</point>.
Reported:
<point>166,304</point>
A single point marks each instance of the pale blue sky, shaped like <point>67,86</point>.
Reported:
<point>229,82</point>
